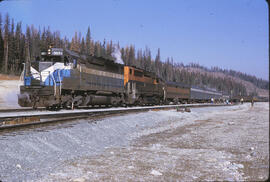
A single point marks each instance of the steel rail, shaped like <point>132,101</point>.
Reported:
<point>17,119</point>
<point>20,110</point>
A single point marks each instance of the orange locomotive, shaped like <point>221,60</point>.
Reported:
<point>142,87</point>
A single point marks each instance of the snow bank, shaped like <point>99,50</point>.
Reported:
<point>8,93</point>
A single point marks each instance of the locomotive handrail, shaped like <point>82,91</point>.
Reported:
<point>22,74</point>
<point>59,79</point>
<point>54,85</point>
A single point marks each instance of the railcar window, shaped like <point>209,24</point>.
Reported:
<point>138,73</point>
<point>130,71</point>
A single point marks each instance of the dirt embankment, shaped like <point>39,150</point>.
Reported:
<point>9,77</point>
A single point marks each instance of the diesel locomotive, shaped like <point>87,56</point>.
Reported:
<point>61,78</point>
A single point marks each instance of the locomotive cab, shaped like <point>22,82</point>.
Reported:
<point>49,58</point>
<point>41,69</point>
<point>43,77</point>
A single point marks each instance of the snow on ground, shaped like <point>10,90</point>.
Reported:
<point>208,144</point>
<point>8,93</point>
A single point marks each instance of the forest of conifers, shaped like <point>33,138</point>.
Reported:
<point>16,46</point>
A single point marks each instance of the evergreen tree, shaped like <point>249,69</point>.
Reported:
<point>66,43</point>
<point>109,49</point>
<point>147,59</point>
<point>49,39</point>
<point>88,41</point>
<point>103,49</point>
<point>57,39</point>
<point>97,50</point>
<point>75,43</point>
<point>17,51</point>
<point>6,43</point>
<point>158,63</point>
<point>1,45</point>
<point>28,43</point>
<point>131,56</point>
<point>83,47</point>
<point>11,62</point>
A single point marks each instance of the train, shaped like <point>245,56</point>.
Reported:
<point>61,78</point>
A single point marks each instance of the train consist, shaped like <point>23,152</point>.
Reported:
<point>65,79</point>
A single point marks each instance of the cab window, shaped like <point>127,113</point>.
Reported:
<point>138,73</point>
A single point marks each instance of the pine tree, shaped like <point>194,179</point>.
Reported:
<point>97,50</point>
<point>6,43</point>
<point>126,56</point>
<point>131,55</point>
<point>49,39</point>
<point>109,49</point>
<point>11,62</point>
<point>72,44</point>
<point>103,48</point>
<point>34,42</point>
<point>28,42</point>
<point>92,47</point>
<point>88,42</point>
<point>157,63</point>
<point>79,42</point>
<point>1,45</point>
<point>147,58</point>
<point>139,59</point>
<point>66,43</point>
<point>57,39</point>
<point>17,52</point>
<point>83,47</point>
<point>75,42</point>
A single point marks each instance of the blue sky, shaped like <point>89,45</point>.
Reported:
<point>231,34</point>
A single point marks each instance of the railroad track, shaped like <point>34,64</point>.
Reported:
<point>25,109</point>
<point>28,116</point>
<point>20,110</point>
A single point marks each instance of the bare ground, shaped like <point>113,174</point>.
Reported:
<point>9,77</point>
<point>230,144</point>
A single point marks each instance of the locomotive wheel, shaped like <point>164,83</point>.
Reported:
<point>140,101</point>
<point>55,107</point>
